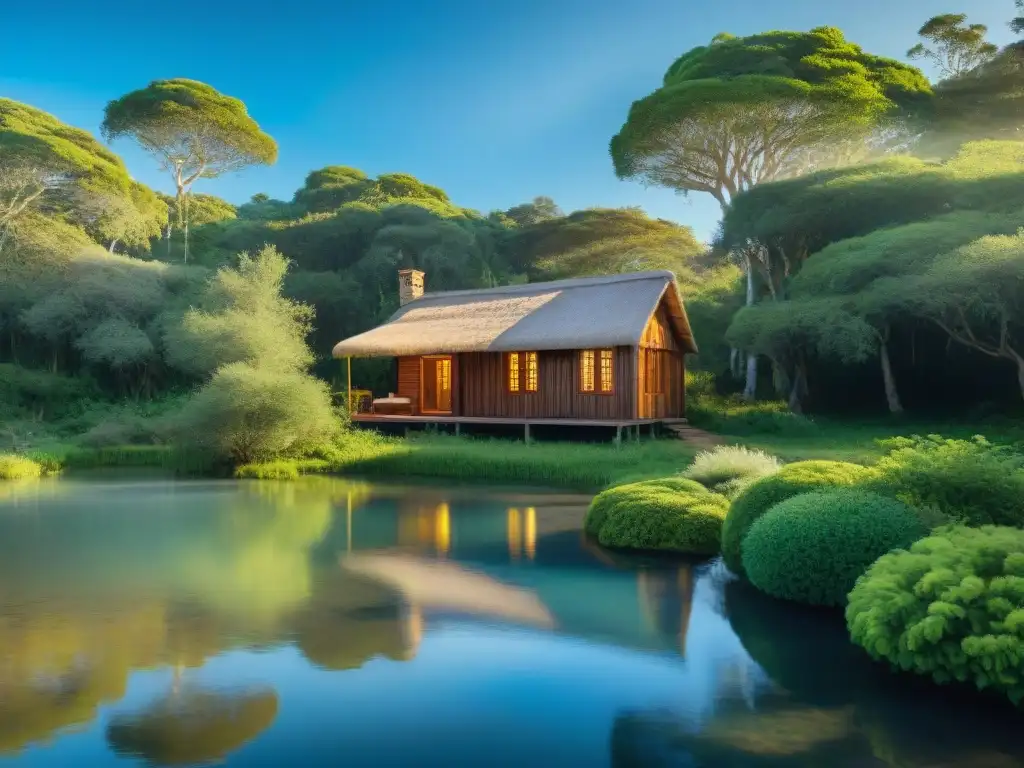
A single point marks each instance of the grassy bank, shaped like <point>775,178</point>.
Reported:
<point>564,465</point>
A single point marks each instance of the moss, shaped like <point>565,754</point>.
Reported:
<point>951,608</point>
<point>812,548</point>
<point>13,467</point>
<point>791,480</point>
<point>672,514</point>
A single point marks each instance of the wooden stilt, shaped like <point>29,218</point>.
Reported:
<point>526,433</point>
<point>618,435</point>
<point>458,429</point>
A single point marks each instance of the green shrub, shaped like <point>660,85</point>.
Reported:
<point>248,413</point>
<point>791,480</point>
<point>720,468</point>
<point>813,547</point>
<point>732,415</point>
<point>673,514</point>
<point>952,608</point>
<point>13,467</point>
<point>271,470</point>
<point>604,502</point>
<point>971,481</point>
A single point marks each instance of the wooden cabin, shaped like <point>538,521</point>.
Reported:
<point>605,349</point>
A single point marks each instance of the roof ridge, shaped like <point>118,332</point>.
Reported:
<point>570,282</point>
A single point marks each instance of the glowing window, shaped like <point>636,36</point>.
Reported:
<point>513,371</point>
<point>607,380</point>
<point>531,372</point>
<point>586,370</point>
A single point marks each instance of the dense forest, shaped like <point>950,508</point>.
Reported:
<point>868,256</point>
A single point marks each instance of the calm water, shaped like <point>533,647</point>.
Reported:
<point>335,623</point>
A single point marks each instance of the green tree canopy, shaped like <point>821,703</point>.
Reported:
<point>202,208</point>
<point>329,188</point>
<point>748,109</point>
<point>49,166</point>
<point>194,131</point>
<point>537,210</point>
<point>957,47</point>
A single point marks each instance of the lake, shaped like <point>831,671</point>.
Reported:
<point>147,621</point>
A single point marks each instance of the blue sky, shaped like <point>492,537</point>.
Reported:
<point>494,102</point>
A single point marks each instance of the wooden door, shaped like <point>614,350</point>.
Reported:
<point>436,384</point>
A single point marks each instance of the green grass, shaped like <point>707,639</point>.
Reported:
<point>14,467</point>
<point>563,465</point>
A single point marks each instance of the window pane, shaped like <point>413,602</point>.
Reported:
<point>531,372</point>
<point>587,370</point>
<point>607,382</point>
<point>513,371</point>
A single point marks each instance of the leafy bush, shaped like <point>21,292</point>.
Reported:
<point>720,468</point>
<point>952,608</point>
<point>971,481</point>
<point>813,547</point>
<point>246,414</point>
<point>791,480</point>
<point>732,415</point>
<point>13,467</point>
<point>604,502</point>
<point>672,514</point>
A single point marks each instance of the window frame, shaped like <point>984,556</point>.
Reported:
<point>523,360</point>
<point>597,355</point>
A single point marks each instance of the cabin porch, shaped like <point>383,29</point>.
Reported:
<point>618,429</point>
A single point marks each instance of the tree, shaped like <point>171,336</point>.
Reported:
<point>974,295</point>
<point>742,111</point>
<point>195,132</point>
<point>539,209</point>
<point>958,47</point>
<point>259,401</point>
<point>48,166</point>
<point>329,188</point>
<point>1017,24</point>
<point>259,198</point>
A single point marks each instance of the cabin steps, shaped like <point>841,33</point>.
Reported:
<point>681,430</point>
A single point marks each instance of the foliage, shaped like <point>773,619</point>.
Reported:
<point>537,210</point>
<point>248,413</point>
<point>603,503</point>
<point>952,608</point>
<point>194,130</point>
<point>748,109</point>
<point>958,47</point>
<point>51,167</point>
<point>792,480</point>
<point>243,318</point>
<point>202,209</point>
<point>971,481</point>
<point>812,548</point>
<point>13,467</point>
<point>677,515</point>
<point>728,464</point>
<point>732,415</point>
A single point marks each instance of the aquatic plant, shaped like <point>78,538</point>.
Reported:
<point>813,547</point>
<point>791,480</point>
<point>951,608</point>
<point>971,481</point>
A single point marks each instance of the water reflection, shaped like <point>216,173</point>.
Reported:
<point>193,726</point>
<point>179,623</point>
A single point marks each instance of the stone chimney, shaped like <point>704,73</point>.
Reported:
<point>410,285</point>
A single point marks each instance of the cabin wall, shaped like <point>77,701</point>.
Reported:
<point>668,401</point>
<point>482,388</point>
<point>409,380</point>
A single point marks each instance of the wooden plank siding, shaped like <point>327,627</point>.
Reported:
<point>483,390</point>
<point>658,339</point>
<point>409,380</point>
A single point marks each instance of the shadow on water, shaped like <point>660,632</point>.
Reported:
<point>211,621</point>
<point>824,703</point>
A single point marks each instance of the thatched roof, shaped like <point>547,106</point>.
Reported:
<point>582,313</point>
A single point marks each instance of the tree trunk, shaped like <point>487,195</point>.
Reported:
<point>1020,373</point>
<point>799,389</point>
<point>780,378</point>
<point>112,244</point>
<point>750,388</point>
<point>892,395</point>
